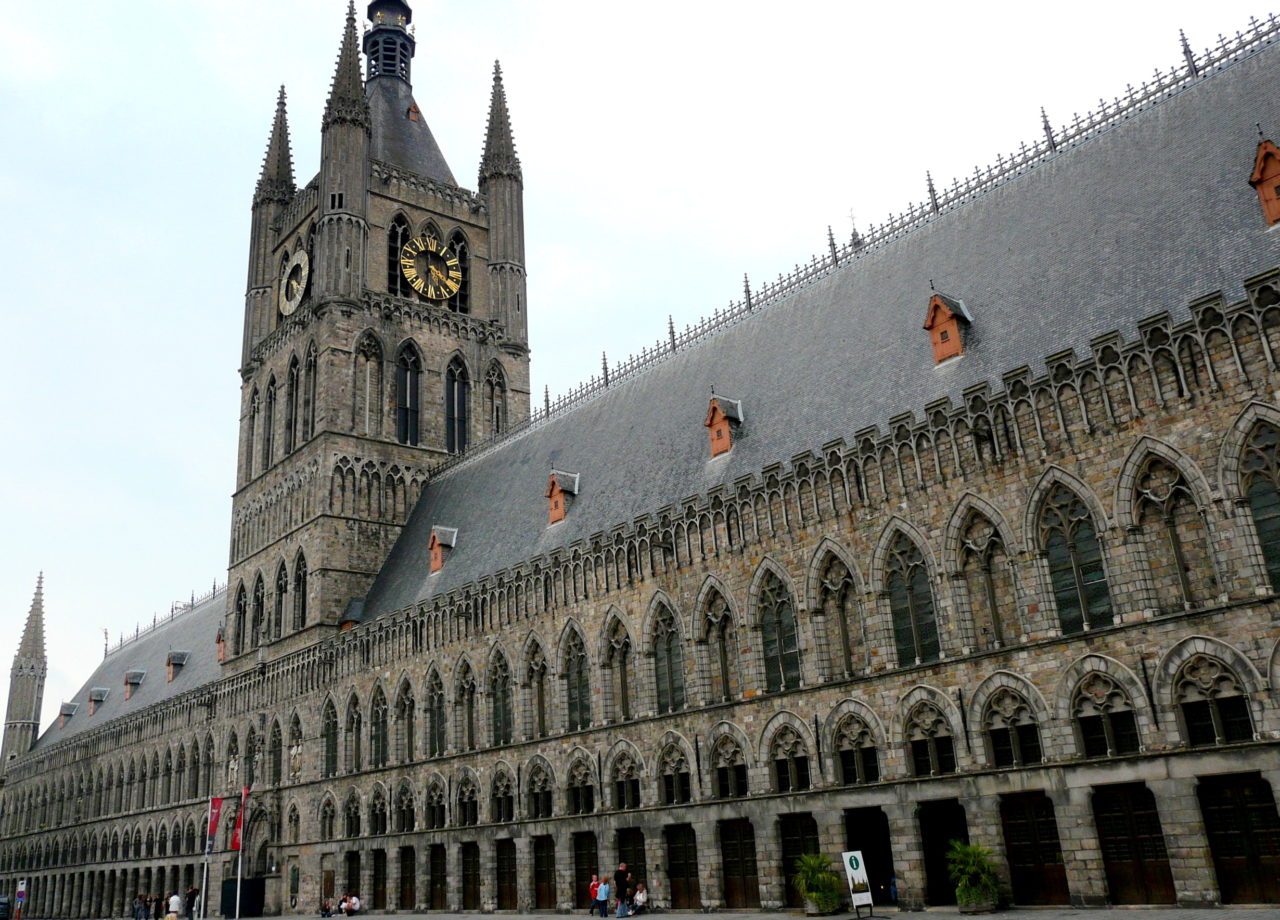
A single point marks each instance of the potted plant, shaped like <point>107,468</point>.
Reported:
<point>817,884</point>
<point>973,869</point>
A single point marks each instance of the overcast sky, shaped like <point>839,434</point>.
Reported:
<point>668,147</point>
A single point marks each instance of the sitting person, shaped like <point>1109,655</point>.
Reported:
<point>640,900</point>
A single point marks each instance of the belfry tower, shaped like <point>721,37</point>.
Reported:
<point>26,684</point>
<point>385,330</point>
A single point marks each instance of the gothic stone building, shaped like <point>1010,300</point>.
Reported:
<point>1010,577</point>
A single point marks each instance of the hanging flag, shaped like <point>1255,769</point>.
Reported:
<point>215,812</point>
<point>235,833</point>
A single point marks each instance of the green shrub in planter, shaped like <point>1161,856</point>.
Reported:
<point>973,869</point>
<point>817,883</point>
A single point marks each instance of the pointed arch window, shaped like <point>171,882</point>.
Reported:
<point>626,783</point>
<point>251,434</point>
<point>577,683</point>
<point>457,399</point>
<point>730,769</point>
<point>495,399</point>
<point>281,599</point>
<point>378,813</point>
<point>241,625</point>
<point>1013,737</point>
<point>839,605</point>
<point>408,395</point>
<point>537,680</point>
<point>465,702</point>
<point>778,635</point>
<point>398,234</point>
<point>500,696</point>
<point>292,394</point>
<point>540,792</point>
<point>352,740</point>
<point>1105,721</point>
<point>1212,704</point>
<point>620,670</point>
<point>722,649</point>
<point>668,661</point>
<point>378,730</point>
<point>275,756</point>
<point>1173,533</point>
<point>468,804</point>
<point>435,810</point>
<point>436,723</point>
<point>405,814</point>
<point>366,414</point>
<point>580,795</point>
<point>915,626</point>
<point>790,761</point>
<point>460,302</point>
<point>1260,469</point>
<point>257,615</point>
<point>856,746</point>
<point>1074,553</point>
<point>676,782</point>
<point>351,826</point>
<point>502,803</point>
<point>988,575</point>
<point>406,713</point>
<point>269,424</point>
<point>929,740</point>
<point>300,592</point>
<point>327,820</point>
<point>308,411</point>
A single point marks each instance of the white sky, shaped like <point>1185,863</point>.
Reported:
<point>668,147</point>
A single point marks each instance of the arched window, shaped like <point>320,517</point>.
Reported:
<point>500,697</point>
<point>778,635</point>
<point>676,783</point>
<point>282,597</point>
<point>308,411</point>
<point>1104,717</point>
<point>1173,535</point>
<point>241,625</point>
<point>495,399</point>
<point>988,575</point>
<point>468,813</point>
<point>626,782</point>
<point>435,811</point>
<point>300,592</point>
<point>457,399</point>
<point>619,670</point>
<point>915,627</point>
<point>465,709</point>
<point>1213,706</point>
<point>329,735</point>
<point>351,826</point>
<point>408,395</point>
<point>929,737</point>
<point>366,411</point>
<point>722,649</point>
<point>327,819</point>
<point>275,756</point>
<point>436,723</point>
<point>406,817</point>
<point>406,714</point>
<point>1260,471</point>
<point>856,747</point>
<point>1074,554</point>
<point>251,434</point>
<point>790,761</point>
<point>269,424</point>
<point>461,301</point>
<point>378,813</point>
<point>580,795</point>
<point>397,235</point>
<point>536,675</point>
<point>730,769</point>
<point>257,616</point>
<point>502,803</point>
<point>292,395</point>
<point>540,791</point>
<point>295,828</point>
<point>378,730</point>
<point>668,661</point>
<point>577,683</point>
<point>352,740</point>
<point>839,605</point>
<point>250,760</point>
<point>1013,738</point>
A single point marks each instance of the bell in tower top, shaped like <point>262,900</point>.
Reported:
<point>388,44</point>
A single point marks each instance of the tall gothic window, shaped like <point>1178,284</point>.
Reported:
<point>1013,738</point>
<point>1212,703</point>
<point>620,670</point>
<point>258,614</point>
<point>352,740</point>
<point>406,715</point>
<point>468,813</point>
<point>540,792</point>
<point>457,398</point>
<point>989,579</point>
<point>435,810</point>
<point>915,627</point>
<point>327,820</point>
<point>839,605</point>
<point>251,434</point>
<point>461,301</point>
<point>436,737</point>
<point>308,412</point>
<point>580,795</point>
<point>352,815</point>
<point>408,394</point>
<point>536,675</point>
<point>502,803</point>
<point>730,769</point>
<point>406,815</point>
<point>300,592</point>
<point>790,761</point>
<point>577,682</point>
<point>378,730</point>
<point>929,738</point>
<point>292,393</point>
<point>1105,720</point>
<point>269,424</point>
<point>500,697</point>
<point>722,649</point>
<point>668,661</point>
<point>495,399</point>
<point>378,813</point>
<point>626,782</point>
<point>1260,472</point>
<point>275,756</point>
<point>1173,534</point>
<point>240,627</point>
<point>1074,554</point>
<point>281,599</point>
<point>329,733</point>
<point>856,745</point>
<point>465,709</point>
<point>397,235</point>
<point>676,782</point>
<point>366,415</point>
<point>778,636</point>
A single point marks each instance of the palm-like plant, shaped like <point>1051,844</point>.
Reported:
<point>817,883</point>
<point>973,869</point>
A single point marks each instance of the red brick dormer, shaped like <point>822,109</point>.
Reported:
<point>561,487</point>
<point>1265,179</point>
<point>723,418</point>
<point>440,544</point>
<point>946,323</point>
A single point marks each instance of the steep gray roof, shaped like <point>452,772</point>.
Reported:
<point>398,139</point>
<point>1137,219</point>
<point>193,630</point>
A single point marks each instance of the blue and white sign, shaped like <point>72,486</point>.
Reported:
<point>855,872</point>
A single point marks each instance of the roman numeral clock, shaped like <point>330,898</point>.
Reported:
<point>431,268</point>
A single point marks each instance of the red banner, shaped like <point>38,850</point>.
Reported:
<point>215,812</point>
<point>235,833</point>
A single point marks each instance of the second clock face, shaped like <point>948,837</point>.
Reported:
<point>431,268</point>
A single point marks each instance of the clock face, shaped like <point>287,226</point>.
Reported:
<point>293,283</point>
<point>431,268</point>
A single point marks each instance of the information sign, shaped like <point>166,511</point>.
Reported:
<point>855,871</point>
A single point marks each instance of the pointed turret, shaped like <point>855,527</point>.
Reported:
<point>26,683</point>
<point>347,104</point>
<point>502,184</point>
<point>276,181</point>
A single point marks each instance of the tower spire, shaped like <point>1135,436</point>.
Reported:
<point>32,645</point>
<point>26,683</point>
<point>276,181</point>
<point>499,158</point>
<point>347,103</point>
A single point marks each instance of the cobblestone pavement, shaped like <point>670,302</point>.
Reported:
<point>1055,913</point>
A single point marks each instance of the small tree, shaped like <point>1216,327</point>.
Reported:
<point>817,883</point>
<point>973,869</point>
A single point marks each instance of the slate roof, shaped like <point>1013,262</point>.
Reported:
<point>193,630</point>
<point>399,140</point>
<point>1136,220</point>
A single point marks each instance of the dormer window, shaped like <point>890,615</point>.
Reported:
<point>96,696</point>
<point>946,323</point>
<point>724,417</point>
<point>66,711</point>
<point>1266,181</point>
<point>132,681</point>
<point>561,488</point>
<point>440,545</point>
<point>175,663</point>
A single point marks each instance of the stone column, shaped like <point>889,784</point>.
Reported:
<point>1190,859</point>
<point>710,880</point>
<point>488,874</point>
<point>1081,849</point>
<point>453,872</point>
<point>769,860</point>
<point>524,873</point>
<point>908,853</point>
<point>564,873</point>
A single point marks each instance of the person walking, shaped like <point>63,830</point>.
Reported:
<point>593,889</point>
<point>175,906</point>
<point>192,894</point>
<point>602,897</point>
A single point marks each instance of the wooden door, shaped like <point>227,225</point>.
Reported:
<point>544,873</point>
<point>505,864</point>
<point>798,834</point>
<point>439,880</point>
<point>586,862</point>
<point>1033,849</point>
<point>469,855</point>
<point>941,821</point>
<point>327,885</point>
<point>1244,836</point>
<point>379,880</point>
<point>738,864</point>
<point>631,852</point>
<point>408,893</point>
<point>867,831</point>
<point>1133,851</point>
<point>682,866</point>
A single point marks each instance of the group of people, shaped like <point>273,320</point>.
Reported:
<point>156,906</point>
<point>349,906</point>
<point>630,895</point>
